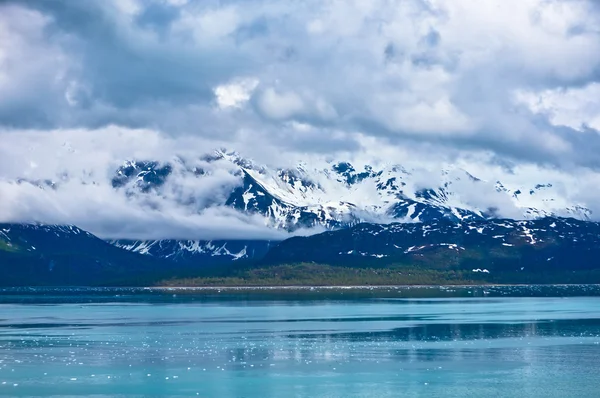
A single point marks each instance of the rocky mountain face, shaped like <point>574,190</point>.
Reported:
<point>507,250</point>
<point>499,245</point>
<point>339,195</point>
<point>331,196</point>
<point>212,253</point>
<point>34,254</point>
<point>334,197</point>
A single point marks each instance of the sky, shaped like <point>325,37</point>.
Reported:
<point>499,84</point>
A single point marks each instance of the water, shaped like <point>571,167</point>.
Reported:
<point>304,343</point>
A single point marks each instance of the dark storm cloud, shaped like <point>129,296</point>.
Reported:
<point>122,62</point>
<point>122,72</point>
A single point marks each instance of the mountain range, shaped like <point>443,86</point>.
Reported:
<point>340,195</point>
<point>344,214</point>
<point>499,250</point>
<point>320,199</point>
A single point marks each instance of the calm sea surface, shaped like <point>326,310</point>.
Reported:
<point>387,342</point>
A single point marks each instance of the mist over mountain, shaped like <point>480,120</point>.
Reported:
<point>157,129</point>
<point>223,195</point>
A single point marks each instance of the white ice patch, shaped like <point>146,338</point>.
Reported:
<point>247,197</point>
<point>528,234</point>
<point>141,247</point>
<point>413,248</point>
<point>478,229</point>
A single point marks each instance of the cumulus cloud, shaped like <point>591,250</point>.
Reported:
<point>577,107</point>
<point>436,71</point>
<point>286,80</point>
<point>64,176</point>
<point>235,94</point>
<point>280,105</point>
<point>108,214</point>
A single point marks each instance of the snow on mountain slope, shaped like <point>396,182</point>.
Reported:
<point>196,251</point>
<point>547,244</point>
<point>391,190</point>
<point>224,190</point>
<point>336,194</point>
<point>217,206</point>
<point>27,237</point>
<point>329,196</point>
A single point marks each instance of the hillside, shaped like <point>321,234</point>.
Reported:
<point>34,254</point>
<point>500,245</point>
<point>548,250</point>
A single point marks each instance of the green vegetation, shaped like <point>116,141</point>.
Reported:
<point>8,247</point>
<point>309,274</point>
<point>324,275</point>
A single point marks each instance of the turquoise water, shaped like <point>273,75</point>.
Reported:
<point>448,342</point>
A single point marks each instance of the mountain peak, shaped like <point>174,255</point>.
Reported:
<point>329,197</point>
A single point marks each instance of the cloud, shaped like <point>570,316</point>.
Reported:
<point>577,107</point>
<point>64,177</point>
<point>235,94</point>
<point>102,211</point>
<point>287,80</point>
<point>280,105</point>
<point>409,71</point>
<point>81,164</point>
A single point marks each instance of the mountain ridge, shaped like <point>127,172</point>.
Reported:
<point>309,199</point>
<point>503,250</point>
<point>330,195</point>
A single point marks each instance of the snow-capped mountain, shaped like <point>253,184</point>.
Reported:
<point>542,245</point>
<point>547,250</point>
<point>328,198</point>
<point>200,252</point>
<point>38,254</point>
<point>339,194</point>
<point>32,237</point>
<point>304,199</point>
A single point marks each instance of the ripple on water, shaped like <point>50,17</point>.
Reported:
<point>320,342</point>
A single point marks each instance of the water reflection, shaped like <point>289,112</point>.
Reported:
<point>376,347</point>
<point>471,331</point>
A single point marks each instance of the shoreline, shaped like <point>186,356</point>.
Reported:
<point>301,287</point>
<point>360,287</point>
